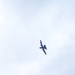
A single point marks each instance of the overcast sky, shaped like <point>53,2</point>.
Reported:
<point>23,23</point>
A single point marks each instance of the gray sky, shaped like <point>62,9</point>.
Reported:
<point>23,23</point>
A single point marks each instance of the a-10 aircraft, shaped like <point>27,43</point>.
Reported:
<point>43,47</point>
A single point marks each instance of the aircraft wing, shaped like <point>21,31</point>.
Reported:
<point>44,51</point>
<point>40,42</point>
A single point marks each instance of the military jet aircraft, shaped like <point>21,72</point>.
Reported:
<point>43,47</point>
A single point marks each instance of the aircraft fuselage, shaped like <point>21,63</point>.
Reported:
<point>43,47</point>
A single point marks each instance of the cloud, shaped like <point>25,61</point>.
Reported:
<point>28,69</point>
<point>21,28</point>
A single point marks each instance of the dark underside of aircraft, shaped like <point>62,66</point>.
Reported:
<point>43,47</point>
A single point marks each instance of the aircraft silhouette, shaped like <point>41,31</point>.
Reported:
<point>43,47</point>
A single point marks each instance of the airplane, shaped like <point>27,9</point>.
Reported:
<point>43,47</point>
